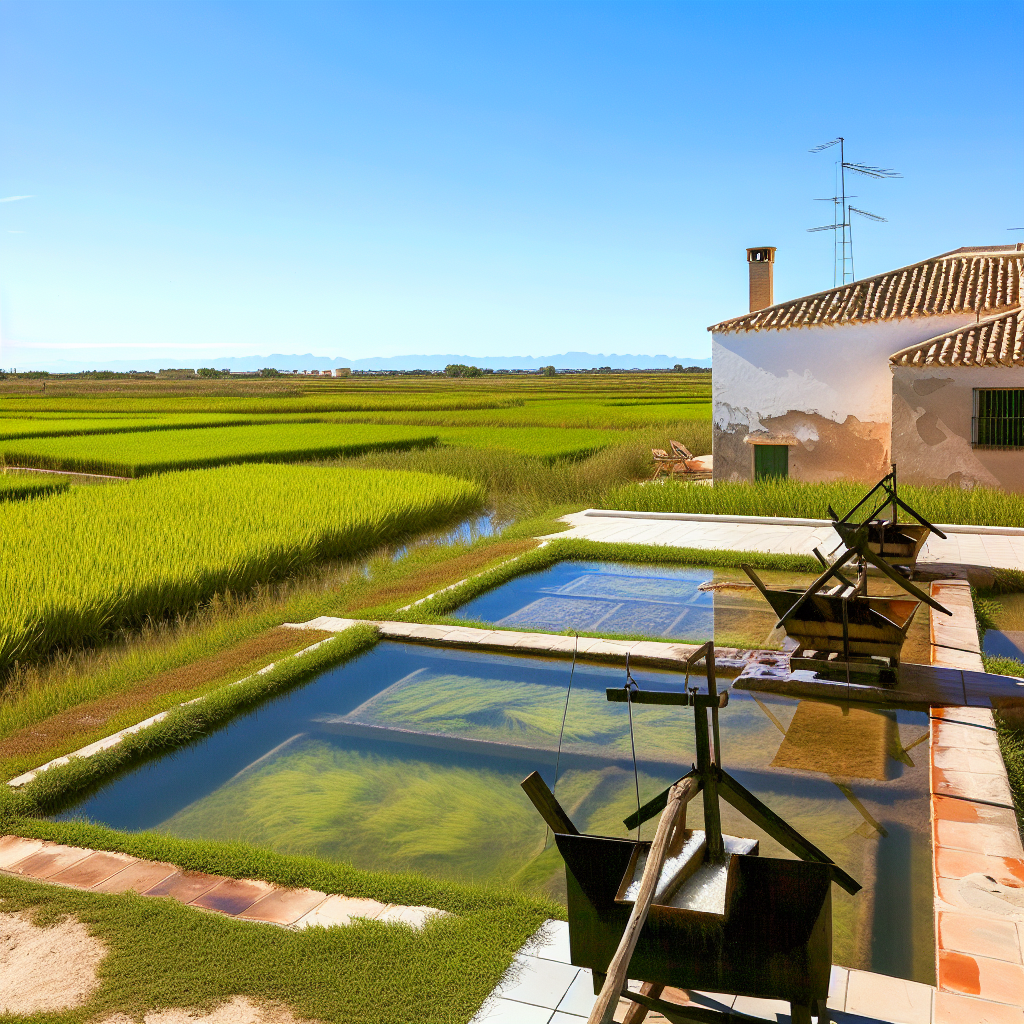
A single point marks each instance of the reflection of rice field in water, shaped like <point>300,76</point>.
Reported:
<point>1007,639</point>
<point>410,758</point>
<point>663,601</point>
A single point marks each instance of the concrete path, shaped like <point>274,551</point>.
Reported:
<point>986,547</point>
<point>543,987</point>
<point>244,899</point>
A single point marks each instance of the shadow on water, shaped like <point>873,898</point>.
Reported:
<point>409,757</point>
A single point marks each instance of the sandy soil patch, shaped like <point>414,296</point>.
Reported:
<point>238,1011</point>
<point>43,970</point>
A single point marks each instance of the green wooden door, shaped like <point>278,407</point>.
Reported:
<point>771,460</point>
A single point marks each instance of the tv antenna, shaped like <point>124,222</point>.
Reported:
<point>842,221</point>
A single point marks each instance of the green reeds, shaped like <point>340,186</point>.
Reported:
<point>979,506</point>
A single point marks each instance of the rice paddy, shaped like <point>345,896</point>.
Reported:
<point>141,453</point>
<point>81,564</point>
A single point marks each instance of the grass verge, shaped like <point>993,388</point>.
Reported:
<point>980,506</point>
<point>162,955</point>
<point>184,724</point>
<point>441,605</point>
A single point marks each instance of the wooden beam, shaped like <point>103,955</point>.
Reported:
<point>615,981</point>
<point>781,831</point>
<point>656,804</point>
<point>550,809</point>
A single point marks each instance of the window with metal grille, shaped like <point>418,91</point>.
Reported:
<point>998,418</point>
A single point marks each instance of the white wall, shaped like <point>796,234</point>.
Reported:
<point>833,371</point>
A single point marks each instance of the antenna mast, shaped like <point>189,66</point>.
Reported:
<point>842,225</point>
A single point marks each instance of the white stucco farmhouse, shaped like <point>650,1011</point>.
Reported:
<point>838,384</point>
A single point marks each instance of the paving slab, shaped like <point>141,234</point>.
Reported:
<point>283,906</point>
<point>92,870</point>
<point>14,849</point>
<point>184,886</point>
<point>50,859</point>
<point>979,936</point>
<point>538,982</point>
<point>416,917</point>
<point>232,896</point>
<point>140,876</point>
<point>995,980</point>
<point>889,999</point>
<point>951,1008</point>
<point>340,910</point>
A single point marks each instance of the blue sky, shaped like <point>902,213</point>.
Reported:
<point>356,179</point>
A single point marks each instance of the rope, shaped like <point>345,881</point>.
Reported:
<point>565,711</point>
<point>630,681</point>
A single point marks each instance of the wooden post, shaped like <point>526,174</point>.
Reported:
<point>604,1008</point>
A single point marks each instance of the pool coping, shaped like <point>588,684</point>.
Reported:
<point>703,517</point>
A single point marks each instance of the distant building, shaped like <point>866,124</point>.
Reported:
<point>923,366</point>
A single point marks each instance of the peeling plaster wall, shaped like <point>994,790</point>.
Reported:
<point>932,407</point>
<point>828,386</point>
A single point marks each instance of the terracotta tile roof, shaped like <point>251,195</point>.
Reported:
<point>997,341</point>
<point>981,282</point>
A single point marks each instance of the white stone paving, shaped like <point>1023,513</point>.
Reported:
<point>542,987</point>
<point>774,536</point>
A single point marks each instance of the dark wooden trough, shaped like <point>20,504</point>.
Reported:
<point>774,942</point>
<point>769,934</point>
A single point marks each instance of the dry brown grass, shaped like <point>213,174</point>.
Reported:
<point>78,725</point>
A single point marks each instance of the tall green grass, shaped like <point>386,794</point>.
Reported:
<point>81,564</point>
<point>141,453</point>
<point>791,499</point>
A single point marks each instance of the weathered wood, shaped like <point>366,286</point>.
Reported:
<point>691,1013</point>
<point>657,804</point>
<point>604,1008</point>
<point>637,1013</point>
<point>617,694</point>
<point>550,809</point>
<point>780,830</point>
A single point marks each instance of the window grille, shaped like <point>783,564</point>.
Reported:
<point>998,418</point>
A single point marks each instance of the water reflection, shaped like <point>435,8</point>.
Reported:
<point>410,758</point>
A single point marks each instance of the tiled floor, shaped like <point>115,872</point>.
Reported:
<point>243,899</point>
<point>542,987</point>
<point>978,873</point>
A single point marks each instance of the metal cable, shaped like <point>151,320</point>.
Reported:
<point>565,711</point>
<point>630,681</point>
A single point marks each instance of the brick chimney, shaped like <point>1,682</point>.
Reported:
<point>762,262</point>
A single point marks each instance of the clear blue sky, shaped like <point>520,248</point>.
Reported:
<point>487,178</point>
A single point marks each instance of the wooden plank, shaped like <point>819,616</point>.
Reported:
<point>617,694</point>
<point>550,809</point>
<point>781,831</point>
<point>657,804</point>
<point>615,981</point>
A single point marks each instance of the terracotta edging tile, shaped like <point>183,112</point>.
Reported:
<point>956,1009</point>
<point>996,980</point>
<point>14,849</point>
<point>231,896</point>
<point>95,868</point>
<point>50,859</point>
<point>140,876</point>
<point>283,906</point>
<point>964,932</point>
<point>184,886</point>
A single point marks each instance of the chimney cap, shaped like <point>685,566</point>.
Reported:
<point>761,254</point>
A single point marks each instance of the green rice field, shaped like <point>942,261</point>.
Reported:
<point>81,564</point>
<point>13,488</point>
<point>143,452</point>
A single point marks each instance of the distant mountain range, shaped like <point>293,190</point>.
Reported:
<point>57,360</point>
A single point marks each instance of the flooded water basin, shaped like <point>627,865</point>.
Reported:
<point>688,603</point>
<point>409,758</point>
<point>1007,640</point>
